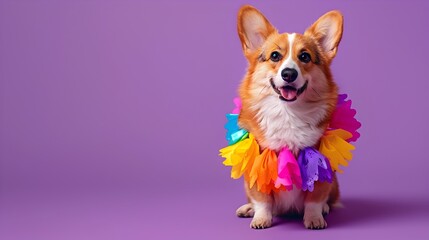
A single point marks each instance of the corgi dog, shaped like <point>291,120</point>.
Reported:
<point>288,96</point>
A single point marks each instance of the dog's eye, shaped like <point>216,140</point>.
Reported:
<point>275,56</point>
<point>304,57</point>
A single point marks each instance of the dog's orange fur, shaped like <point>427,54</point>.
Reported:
<point>257,56</point>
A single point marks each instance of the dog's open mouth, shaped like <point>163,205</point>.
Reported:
<point>289,93</point>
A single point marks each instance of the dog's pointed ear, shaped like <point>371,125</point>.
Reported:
<point>253,28</point>
<point>327,31</point>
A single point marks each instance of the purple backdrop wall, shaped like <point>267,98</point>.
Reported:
<point>112,113</point>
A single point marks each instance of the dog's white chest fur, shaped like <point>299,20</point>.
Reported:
<point>284,125</point>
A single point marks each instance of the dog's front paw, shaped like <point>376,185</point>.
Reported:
<point>245,211</point>
<point>261,222</point>
<point>315,221</point>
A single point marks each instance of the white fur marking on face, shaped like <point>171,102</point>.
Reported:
<point>289,62</point>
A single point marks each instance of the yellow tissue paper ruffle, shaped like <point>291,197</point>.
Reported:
<point>240,157</point>
<point>335,147</point>
<point>264,171</point>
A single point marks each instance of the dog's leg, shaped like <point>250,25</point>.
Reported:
<point>315,205</point>
<point>263,214</point>
<point>262,206</point>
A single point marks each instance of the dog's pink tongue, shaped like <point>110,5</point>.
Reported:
<point>288,94</point>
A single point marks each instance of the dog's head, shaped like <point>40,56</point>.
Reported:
<point>293,67</point>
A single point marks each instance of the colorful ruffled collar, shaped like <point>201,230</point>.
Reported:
<point>270,171</point>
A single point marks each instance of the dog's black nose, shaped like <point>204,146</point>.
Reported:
<point>289,74</point>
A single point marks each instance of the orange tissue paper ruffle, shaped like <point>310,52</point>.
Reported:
<point>264,171</point>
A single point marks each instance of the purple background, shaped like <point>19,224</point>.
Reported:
<point>112,114</point>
